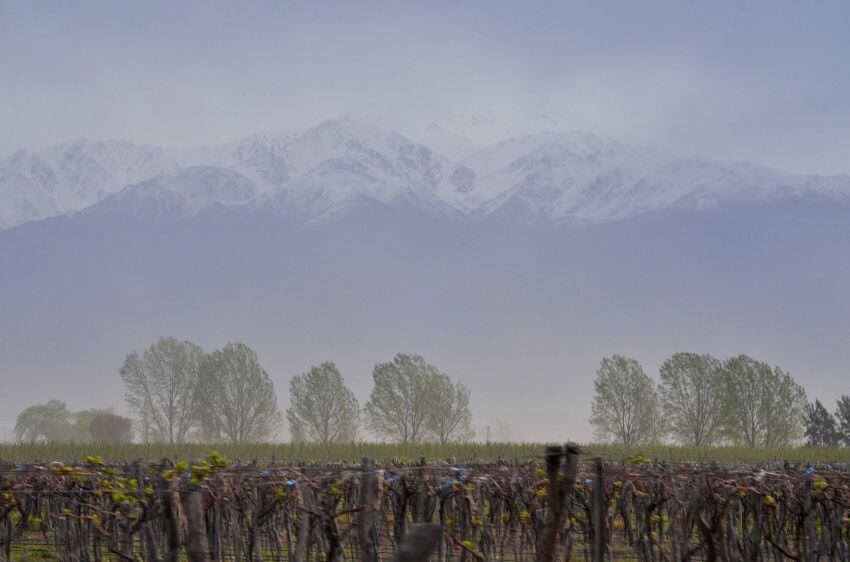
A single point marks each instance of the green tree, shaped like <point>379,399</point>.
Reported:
<point>238,396</point>
<point>161,387</point>
<point>44,422</point>
<point>80,427</point>
<point>842,414</point>
<point>399,407</point>
<point>691,392</point>
<point>763,406</point>
<point>821,430</point>
<point>625,405</point>
<point>107,427</point>
<point>321,407</point>
<point>449,418</point>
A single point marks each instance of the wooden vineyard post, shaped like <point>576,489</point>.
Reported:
<point>172,521</point>
<point>366,518</point>
<point>196,538</point>
<point>599,511</point>
<point>254,528</point>
<point>236,533</point>
<point>7,537</point>
<point>419,514</point>
<point>550,532</point>
<point>808,548</point>
<point>303,534</point>
<point>561,485</point>
<point>147,539</point>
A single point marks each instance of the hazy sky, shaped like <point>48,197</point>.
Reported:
<point>761,81</point>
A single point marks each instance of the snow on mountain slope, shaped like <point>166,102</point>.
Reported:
<point>261,157</point>
<point>338,164</point>
<point>581,178</point>
<point>36,184</point>
<point>22,198</point>
<point>485,178</point>
<point>181,194</point>
<point>327,171</point>
<point>383,154</point>
<point>322,171</point>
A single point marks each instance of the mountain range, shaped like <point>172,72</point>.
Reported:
<point>515,267</point>
<point>569,178</point>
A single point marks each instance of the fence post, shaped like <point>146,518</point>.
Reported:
<point>419,515</point>
<point>196,537</point>
<point>555,512</point>
<point>600,542</point>
<point>561,485</point>
<point>303,534</point>
<point>236,531</point>
<point>7,544</point>
<point>254,528</point>
<point>808,550</point>
<point>366,517</point>
<point>172,521</point>
<point>146,538</point>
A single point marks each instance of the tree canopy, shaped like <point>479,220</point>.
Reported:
<point>691,393</point>
<point>44,422</point>
<point>237,397</point>
<point>821,430</point>
<point>413,401</point>
<point>450,418</point>
<point>107,427</point>
<point>322,408</point>
<point>625,404</point>
<point>161,387</point>
<point>763,406</point>
<point>53,422</point>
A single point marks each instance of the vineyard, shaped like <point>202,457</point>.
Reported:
<point>559,506</point>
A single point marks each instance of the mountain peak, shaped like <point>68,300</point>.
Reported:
<point>349,129</point>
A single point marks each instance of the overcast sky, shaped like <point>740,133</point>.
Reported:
<point>761,81</point>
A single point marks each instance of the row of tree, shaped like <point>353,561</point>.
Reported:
<point>52,421</point>
<point>411,401</point>
<point>703,401</point>
<point>178,392</point>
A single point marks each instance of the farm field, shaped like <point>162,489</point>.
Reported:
<point>353,452</point>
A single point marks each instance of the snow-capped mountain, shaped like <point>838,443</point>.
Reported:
<point>339,163</point>
<point>261,157</point>
<point>181,194</point>
<point>329,170</point>
<point>581,178</point>
<point>55,180</point>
